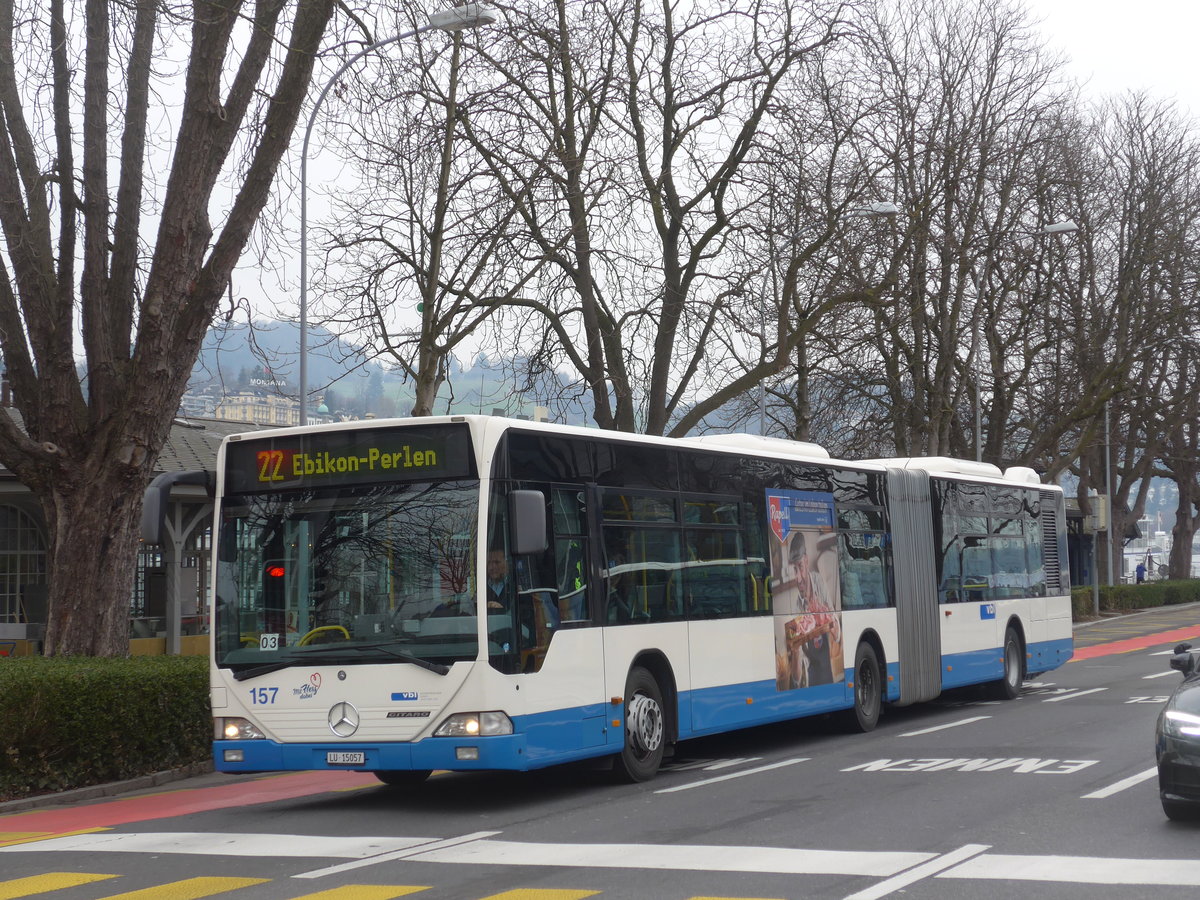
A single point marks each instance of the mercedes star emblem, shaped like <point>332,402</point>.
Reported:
<point>343,719</point>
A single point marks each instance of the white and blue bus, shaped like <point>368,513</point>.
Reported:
<point>469,592</point>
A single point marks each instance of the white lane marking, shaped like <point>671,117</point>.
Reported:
<point>921,872</point>
<point>1073,695</point>
<point>408,853</point>
<point>709,764</point>
<point>1121,785</point>
<point>944,727</point>
<point>683,767</point>
<point>702,858</point>
<point>1078,869</point>
<point>224,844</point>
<point>1161,674</point>
<point>726,763</point>
<point>901,867</point>
<point>754,771</point>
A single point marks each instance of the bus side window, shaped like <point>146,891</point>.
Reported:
<point>570,553</point>
<point>714,577</point>
<point>644,583</point>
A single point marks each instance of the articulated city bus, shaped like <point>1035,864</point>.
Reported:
<point>470,593</point>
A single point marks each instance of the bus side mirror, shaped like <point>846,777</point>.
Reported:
<point>527,522</point>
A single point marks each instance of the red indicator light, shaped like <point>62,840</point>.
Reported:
<point>275,570</point>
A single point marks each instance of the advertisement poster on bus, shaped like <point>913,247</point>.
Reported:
<point>804,589</point>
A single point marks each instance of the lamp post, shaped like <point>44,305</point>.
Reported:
<point>457,18</point>
<point>875,210</point>
<point>1064,227</point>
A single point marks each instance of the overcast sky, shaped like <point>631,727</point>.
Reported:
<point>1150,44</point>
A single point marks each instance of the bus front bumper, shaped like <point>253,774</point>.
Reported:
<point>456,754</point>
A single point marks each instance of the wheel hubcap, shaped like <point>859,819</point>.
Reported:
<point>866,686</point>
<point>645,724</point>
<point>1014,666</point>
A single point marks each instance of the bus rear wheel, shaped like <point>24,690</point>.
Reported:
<point>402,777</point>
<point>1009,686</point>
<point>645,728</point>
<point>868,690</point>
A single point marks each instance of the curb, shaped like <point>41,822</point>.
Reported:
<point>100,791</point>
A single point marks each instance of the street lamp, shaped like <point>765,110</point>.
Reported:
<point>457,18</point>
<point>875,210</point>
<point>1064,227</point>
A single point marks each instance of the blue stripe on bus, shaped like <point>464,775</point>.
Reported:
<point>978,666</point>
<point>579,733</point>
<point>718,709</point>
<point>1046,655</point>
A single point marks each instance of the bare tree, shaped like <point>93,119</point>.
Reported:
<point>967,91</point>
<point>418,254</point>
<point>78,188</point>
<point>625,132</point>
<point>1148,222</point>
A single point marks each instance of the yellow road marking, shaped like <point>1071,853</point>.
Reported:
<point>8,838</point>
<point>51,881</point>
<point>189,889</point>
<point>541,894</point>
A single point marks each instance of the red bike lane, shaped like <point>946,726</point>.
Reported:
<point>80,818</point>
<point>1141,642</point>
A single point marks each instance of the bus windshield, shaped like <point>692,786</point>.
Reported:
<point>360,573</point>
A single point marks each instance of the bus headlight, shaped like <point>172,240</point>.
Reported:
<point>237,729</point>
<point>476,724</point>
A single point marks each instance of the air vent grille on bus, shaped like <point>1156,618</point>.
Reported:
<point>1054,579</point>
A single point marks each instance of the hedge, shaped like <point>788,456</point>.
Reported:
<point>71,722</point>
<point>1124,598</point>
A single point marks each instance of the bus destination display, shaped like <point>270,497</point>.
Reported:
<point>369,456</point>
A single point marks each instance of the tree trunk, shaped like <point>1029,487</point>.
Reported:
<point>1184,530</point>
<point>89,591</point>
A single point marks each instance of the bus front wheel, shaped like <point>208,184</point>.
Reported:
<point>645,728</point>
<point>868,689</point>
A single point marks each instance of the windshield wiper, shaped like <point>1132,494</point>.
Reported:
<point>384,646</point>
<point>264,669</point>
<point>338,651</point>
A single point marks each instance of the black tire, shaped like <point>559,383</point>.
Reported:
<point>1008,686</point>
<point>868,690</point>
<point>645,728</point>
<point>1180,810</point>
<point>402,777</point>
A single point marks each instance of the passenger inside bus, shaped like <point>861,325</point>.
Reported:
<point>499,589</point>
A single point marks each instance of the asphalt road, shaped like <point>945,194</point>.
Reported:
<point>1049,795</point>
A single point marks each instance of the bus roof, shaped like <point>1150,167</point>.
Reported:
<point>759,445</point>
